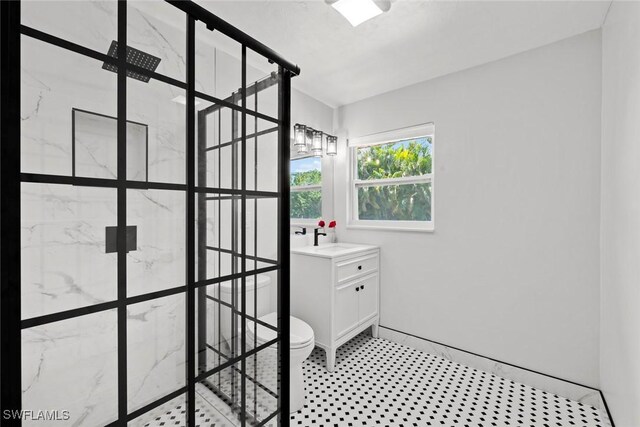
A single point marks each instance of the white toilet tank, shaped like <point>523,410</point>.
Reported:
<point>263,306</point>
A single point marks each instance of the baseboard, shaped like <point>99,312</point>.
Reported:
<point>558,386</point>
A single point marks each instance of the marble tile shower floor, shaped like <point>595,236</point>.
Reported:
<point>211,411</point>
<point>382,383</point>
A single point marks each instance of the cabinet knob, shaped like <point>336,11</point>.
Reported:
<point>359,267</point>
<point>362,287</point>
<point>357,289</point>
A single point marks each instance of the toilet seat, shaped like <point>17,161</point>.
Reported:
<point>301,334</point>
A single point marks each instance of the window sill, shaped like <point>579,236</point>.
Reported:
<point>427,228</point>
<point>304,223</point>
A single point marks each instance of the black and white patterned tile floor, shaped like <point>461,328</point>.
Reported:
<point>381,383</point>
<point>212,411</point>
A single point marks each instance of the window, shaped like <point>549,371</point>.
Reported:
<point>392,179</point>
<point>306,188</point>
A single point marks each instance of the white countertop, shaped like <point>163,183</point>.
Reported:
<point>332,250</point>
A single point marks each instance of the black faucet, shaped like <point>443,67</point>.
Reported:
<point>315,236</point>
<point>303,232</point>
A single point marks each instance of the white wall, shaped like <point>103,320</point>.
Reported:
<point>620,293</point>
<point>512,269</point>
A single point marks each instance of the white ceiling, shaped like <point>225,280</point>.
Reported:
<point>415,41</point>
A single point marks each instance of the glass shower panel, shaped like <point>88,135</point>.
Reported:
<point>218,65</point>
<point>219,331</point>
<point>222,391</point>
<point>263,79</point>
<point>95,146</point>
<point>157,32</point>
<point>219,139</point>
<point>64,264</point>
<point>262,154</point>
<point>235,152</point>
<point>161,109</point>
<point>155,349</point>
<point>157,261</point>
<point>262,383</point>
<point>49,97</point>
<point>264,304</point>
<point>262,237</point>
<point>219,396</point>
<point>173,412</point>
<point>103,321</point>
<point>222,241</point>
<point>211,408</point>
<point>92,24</point>
<point>220,342</point>
<point>71,365</point>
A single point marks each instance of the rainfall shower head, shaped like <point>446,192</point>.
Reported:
<point>135,57</point>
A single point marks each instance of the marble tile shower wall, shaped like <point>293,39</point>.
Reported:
<point>72,364</point>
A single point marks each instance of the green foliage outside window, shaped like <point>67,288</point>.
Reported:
<point>312,177</point>
<point>395,202</point>
<point>395,160</point>
<point>306,204</point>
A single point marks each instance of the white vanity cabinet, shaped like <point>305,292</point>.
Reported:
<point>335,289</point>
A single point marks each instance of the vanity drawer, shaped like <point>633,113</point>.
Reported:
<point>353,268</point>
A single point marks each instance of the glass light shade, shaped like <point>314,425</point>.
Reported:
<point>332,145</point>
<point>308,137</point>
<point>303,149</point>
<point>299,135</point>
<point>316,144</point>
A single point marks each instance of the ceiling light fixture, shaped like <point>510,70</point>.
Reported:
<point>359,11</point>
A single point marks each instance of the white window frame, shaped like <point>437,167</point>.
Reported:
<point>308,222</point>
<point>397,135</point>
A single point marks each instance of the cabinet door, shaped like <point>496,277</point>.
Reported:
<point>368,298</point>
<point>346,308</point>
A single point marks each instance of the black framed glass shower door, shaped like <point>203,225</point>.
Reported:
<point>145,170</point>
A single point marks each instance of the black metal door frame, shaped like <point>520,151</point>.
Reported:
<point>12,324</point>
<point>239,243</point>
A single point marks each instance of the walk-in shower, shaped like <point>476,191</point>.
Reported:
<point>144,177</point>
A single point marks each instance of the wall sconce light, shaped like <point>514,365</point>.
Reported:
<point>304,148</point>
<point>332,145</point>
<point>303,138</point>
<point>307,139</point>
<point>316,144</point>
<point>299,132</point>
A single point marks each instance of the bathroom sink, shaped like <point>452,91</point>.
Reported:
<point>332,250</point>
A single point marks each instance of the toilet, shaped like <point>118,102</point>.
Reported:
<point>301,335</point>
